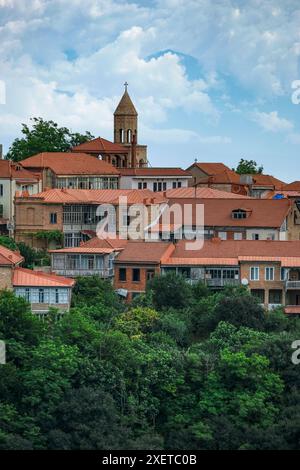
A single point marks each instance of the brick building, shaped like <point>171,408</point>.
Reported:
<point>270,269</point>
<point>74,213</point>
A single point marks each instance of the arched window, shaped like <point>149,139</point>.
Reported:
<point>129,136</point>
<point>121,136</point>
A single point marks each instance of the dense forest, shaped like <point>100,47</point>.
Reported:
<point>179,368</point>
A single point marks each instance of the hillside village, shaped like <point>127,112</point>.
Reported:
<point>49,201</point>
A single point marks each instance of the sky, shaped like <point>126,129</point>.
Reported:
<point>211,80</point>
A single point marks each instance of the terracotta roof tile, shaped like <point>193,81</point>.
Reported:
<point>9,257</point>
<point>201,193</point>
<point>218,212</point>
<point>97,196</point>
<point>139,252</point>
<point>16,171</point>
<point>101,146</point>
<point>295,186</point>
<point>69,163</point>
<point>210,168</point>
<point>26,277</point>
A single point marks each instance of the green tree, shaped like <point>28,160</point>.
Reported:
<point>44,136</point>
<point>170,290</point>
<point>248,167</point>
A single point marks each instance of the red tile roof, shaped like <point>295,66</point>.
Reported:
<point>216,251</point>
<point>68,163</point>
<point>114,243</point>
<point>96,196</point>
<point>225,177</point>
<point>99,146</point>
<point>295,186</point>
<point>142,252</point>
<point>9,257</point>
<point>16,171</point>
<point>201,193</point>
<point>218,212</point>
<point>210,168</point>
<point>151,171</point>
<point>96,245</point>
<point>26,277</point>
<point>269,181</point>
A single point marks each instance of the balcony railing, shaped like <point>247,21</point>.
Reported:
<point>292,284</point>
<point>104,273</point>
<point>215,282</point>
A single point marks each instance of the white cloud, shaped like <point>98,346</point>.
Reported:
<point>271,121</point>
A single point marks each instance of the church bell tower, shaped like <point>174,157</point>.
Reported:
<point>126,130</point>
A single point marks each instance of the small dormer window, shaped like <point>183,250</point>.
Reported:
<point>239,214</point>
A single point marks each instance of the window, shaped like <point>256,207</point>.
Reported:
<point>239,214</point>
<point>222,235</point>
<point>159,185</point>
<point>275,297</point>
<point>284,274</point>
<point>259,294</point>
<point>150,274</point>
<point>27,294</point>
<point>255,236</point>
<point>122,274</point>
<point>53,218</point>
<point>1,189</point>
<point>254,273</point>
<point>136,275</point>
<point>174,185</point>
<point>164,186</point>
<point>269,274</point>
<point>41,296</point>
<point>154,186</point>
<point>179,184</point>
<point>238,236</point>
<point>1,210</point>
<point>56,296</point>
<point>140,185</point>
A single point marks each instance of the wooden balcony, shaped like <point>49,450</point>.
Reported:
<point>103,273</point>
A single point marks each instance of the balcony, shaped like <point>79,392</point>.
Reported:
<point>216,282</point>
<point>103,273</point>
<point>290,285</point>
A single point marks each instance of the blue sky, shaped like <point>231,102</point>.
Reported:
<point>210,80</point>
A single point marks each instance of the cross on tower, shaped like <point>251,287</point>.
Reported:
<point>125,85</point>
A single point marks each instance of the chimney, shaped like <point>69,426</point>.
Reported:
<point>133,152</point>
<point>1,151</point>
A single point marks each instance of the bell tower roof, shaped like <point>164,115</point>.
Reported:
<point>125,106</point>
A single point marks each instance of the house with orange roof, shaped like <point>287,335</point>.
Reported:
<point>75,213</point>
<point>202,170</point>
<point>155,179</point>
<point>41,290</point>
<point>14,178</point>
<point>269,269</point>
<point>94,257</point>
<point>72,170</point>
<point>230,219</point>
